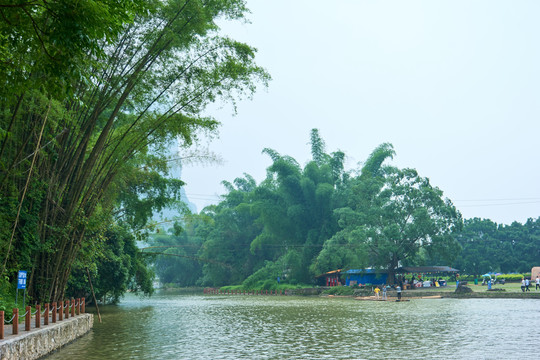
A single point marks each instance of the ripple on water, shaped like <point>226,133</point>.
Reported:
<point>264,327</point>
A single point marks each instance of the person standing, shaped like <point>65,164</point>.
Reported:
<point>523,285</point>
<point>377,292</point>
<point>537,282</point>
<point>527,284</point>
<point>384,293</point>
<point>398,290</point>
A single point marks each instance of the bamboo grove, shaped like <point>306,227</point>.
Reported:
<point>92,94</point>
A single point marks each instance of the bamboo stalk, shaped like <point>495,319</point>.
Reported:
<point>93,294</point>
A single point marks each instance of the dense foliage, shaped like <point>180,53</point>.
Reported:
<point>303,221</point>
<point>92,93</point>
<point>488,247</point>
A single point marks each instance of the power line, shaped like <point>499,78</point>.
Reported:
<point>510,199</point>
<point>502,204</point>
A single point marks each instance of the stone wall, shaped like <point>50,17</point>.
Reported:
<point>39,342</point>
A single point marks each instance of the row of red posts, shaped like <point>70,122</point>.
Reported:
<point>241,292</point>
<point>75,307</point>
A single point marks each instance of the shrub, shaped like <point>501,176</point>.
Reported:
<point>513,277</point>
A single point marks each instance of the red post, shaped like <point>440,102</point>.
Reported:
<point>27,318</point>
<point>79,306</point>
<point>266,292</point>
<point>46,315</point>
<point>15,322</point>
<point>61,312</point>
<point>67,309</point>
<point>54,312</point>
<point>38,316</point>
<point>1,325</point>
<point>83,305</point>
<point>73,307</point>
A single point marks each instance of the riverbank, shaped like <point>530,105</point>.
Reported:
<point>39,342</point>
<point>509,291</point>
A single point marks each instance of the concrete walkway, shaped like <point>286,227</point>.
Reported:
<point>41,341</point>
<point>8,328</point>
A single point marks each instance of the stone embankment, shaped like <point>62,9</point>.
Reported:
<point>39,342</point>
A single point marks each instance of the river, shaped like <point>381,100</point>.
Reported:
<point>175,326</point>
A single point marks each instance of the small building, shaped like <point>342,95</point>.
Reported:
<point>331,278</point>
<point>535,271</point>
<point>365,276</point>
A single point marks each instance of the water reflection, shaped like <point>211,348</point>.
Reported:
<point>170,326</point>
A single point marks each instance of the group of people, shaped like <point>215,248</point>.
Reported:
<point>377,291</point>
<point>384,290</point>
<point>525,283</point>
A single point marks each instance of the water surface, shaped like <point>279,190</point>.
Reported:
<point>171,326</point>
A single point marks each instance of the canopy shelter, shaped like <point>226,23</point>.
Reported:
<point>424,273</point>
<point>426,269</point>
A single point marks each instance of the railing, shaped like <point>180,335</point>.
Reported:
<point>59,311</point>
<point>243,292</point>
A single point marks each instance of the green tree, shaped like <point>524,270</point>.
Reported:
<point>226,253</point>
<point>392,214</point>
<point>296,206</point>
<point>178,260</point>
<point>117,266</point>
<point>143,84</point>
<point>491,247</point>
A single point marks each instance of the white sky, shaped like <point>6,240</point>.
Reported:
<point>453,85</point>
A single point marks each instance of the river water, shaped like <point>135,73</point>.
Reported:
<point>174,326</point>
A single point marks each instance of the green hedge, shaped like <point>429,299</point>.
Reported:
<point>507,277</point>
<point>513,277</point>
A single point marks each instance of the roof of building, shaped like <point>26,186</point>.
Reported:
<point>333,272</point>
<point>427,269</point>
<point>405,269</point>
<point>366,271</point>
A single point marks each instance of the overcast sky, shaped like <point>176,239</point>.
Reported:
<point>453,85</point>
